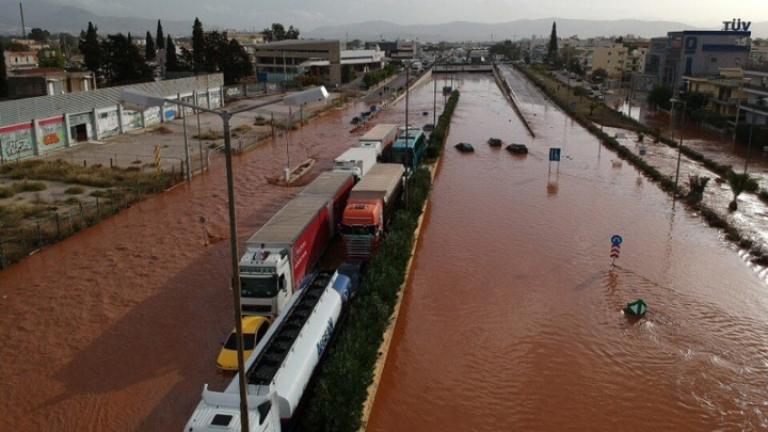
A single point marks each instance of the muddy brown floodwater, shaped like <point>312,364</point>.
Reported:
<point>118,327</point>
<point>512,321</point>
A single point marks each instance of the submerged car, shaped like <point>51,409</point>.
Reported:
<point>254,329</point>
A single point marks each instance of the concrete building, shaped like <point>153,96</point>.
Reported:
<point>725,91</point>
<point>759,53</point>
<point>610,58</point>
<point>755,88</point>
<point>20,60</point>
<point>248,40</point>
<point>285,60</point>
<point>696,53</point>
<point>48,82</point>
<point>398,50</point>
<point>41,125</point>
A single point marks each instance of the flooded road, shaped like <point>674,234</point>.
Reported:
<point>117,328</point>
<point>512,321</point>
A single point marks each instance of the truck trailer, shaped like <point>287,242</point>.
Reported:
<point>380,138</point>
<point>282,363</point>
<point>286,249</point>
<point>369,208</point>
<point>356,161</point>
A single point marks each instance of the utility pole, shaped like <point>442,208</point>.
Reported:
<point>23,27</point>
<point>187,157</point>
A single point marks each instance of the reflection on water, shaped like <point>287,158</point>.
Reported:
<point>512,321</point>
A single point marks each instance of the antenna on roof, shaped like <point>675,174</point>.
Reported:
<point>23,27</point>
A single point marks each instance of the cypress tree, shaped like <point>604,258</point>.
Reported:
<point>171,60</point>
<point>90,47</point>
<point>198,47</point>
<point>149,49</point>
<point>160,38</point>
<point>552,49</point>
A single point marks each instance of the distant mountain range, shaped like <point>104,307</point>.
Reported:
<point>57,18</point>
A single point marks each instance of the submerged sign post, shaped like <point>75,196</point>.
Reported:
<point>616,242</point>
<point>554,156</point>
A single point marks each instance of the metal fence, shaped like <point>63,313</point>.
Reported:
<point>55,224</point>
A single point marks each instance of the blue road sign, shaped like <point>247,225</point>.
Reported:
<point>616,240</point>
<point>554,154</point>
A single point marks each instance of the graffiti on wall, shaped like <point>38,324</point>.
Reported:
<point>152,116</point>
<point>132,120</point>
<point>16,142</point>
<point>169,112</point>
<point>50,134</point>
<point>108,123</point>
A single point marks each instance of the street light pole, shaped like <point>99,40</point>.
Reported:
<point>225,116</point>
<point>434,99</point>
<point>680,146</point>
<point>141,101</point>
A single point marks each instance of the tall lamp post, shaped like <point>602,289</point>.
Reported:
<point>680,146</point>
<point>139,101</point>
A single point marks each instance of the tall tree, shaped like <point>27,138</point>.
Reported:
<point>274,33</point>
<point>552,48</point>
<point>149,48</point>
<point>215,50</point>
<point>90,47</point>
<point>292,33</point>
<point>198,47</point>
<point>235,63</point>
<point>39,34</point>
<point>160,38</point>
<point>124,63</point>
<point>3,78</point>
<point>171,60</point>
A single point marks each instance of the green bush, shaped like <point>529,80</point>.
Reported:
<point>438,135</point>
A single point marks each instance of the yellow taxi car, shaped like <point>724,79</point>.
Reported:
<point>254,328</point>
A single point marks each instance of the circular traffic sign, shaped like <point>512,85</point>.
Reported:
<point>616,240</point>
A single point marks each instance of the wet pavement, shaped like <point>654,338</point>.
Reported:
<point>118,327</point>
<point>511,319</point>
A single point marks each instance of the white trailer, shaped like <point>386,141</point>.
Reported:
<point>356,161</point>
<point>282,363</point>
<point>380,138</point>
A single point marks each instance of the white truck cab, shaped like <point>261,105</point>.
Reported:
<point>265,280</point>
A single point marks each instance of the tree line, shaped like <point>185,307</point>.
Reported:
<point>117,60</point>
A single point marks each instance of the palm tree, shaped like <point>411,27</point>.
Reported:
<point>738,183</point>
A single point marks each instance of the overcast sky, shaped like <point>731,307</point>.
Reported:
<point>308,14</point>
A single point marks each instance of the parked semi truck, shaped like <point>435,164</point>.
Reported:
<point>369,208</point>
<point>284,251</point>
<point>357,161</point>
<point>380,138</point>
<point>282,363</point>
